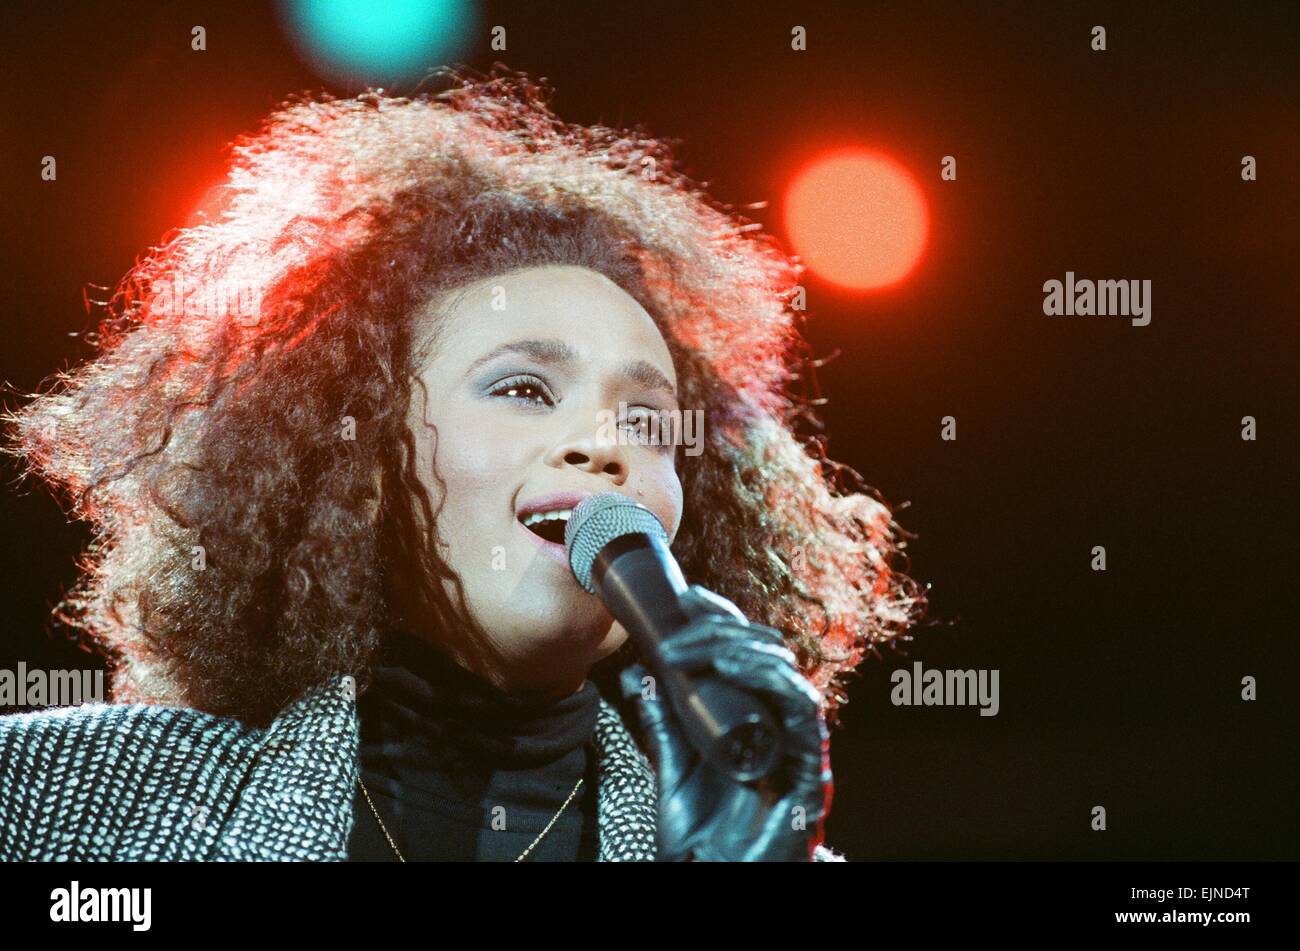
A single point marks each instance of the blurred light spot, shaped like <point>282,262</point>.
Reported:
<point>378,41</point>
<point>857,218</point>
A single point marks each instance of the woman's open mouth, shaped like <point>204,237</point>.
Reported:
<point>548,526</point>
<point>546,517</point>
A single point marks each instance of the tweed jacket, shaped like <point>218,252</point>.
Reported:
<point>136,782</point>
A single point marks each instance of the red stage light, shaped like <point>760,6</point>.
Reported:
<point>857,218</point>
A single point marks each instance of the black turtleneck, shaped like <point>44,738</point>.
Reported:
<point>461,771</point>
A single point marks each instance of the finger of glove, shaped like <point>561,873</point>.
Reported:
<point>662,734</point>
<point>789,833</point>
<point>758,833</point>
<point>750,663</point>
<point>734,826</point>
<point>634,680</point>
<point>693,647</point>
<point>671,751</point>
<point>676,761</point>
<point>697,601</point>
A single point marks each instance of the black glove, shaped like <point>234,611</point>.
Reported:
<point>705,814</point>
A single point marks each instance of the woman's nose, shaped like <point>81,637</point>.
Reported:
<point>590,453</point>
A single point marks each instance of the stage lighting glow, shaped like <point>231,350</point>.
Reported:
<point>364,41</point>
<point>857,218</point>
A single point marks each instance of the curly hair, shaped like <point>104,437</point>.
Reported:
<point>243,551</point>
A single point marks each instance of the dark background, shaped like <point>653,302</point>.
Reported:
<point>1118,688</point>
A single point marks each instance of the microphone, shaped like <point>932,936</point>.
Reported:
<point>618,550</point>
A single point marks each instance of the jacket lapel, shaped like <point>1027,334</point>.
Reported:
<point>297,802</point>
<point>627,797</point>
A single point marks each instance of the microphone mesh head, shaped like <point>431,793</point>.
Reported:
<point>599,520</point>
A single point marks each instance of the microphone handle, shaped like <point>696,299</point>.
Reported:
<point>641,584</point>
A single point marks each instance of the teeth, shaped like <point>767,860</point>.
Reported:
<point>535,517</point>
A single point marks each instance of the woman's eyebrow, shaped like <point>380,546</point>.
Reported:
<point>557,352</point>
<point>647,375</point>
<point>543,351</point>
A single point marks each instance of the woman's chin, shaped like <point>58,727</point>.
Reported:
<point>576,640</point>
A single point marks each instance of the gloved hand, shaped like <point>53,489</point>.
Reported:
<point>704,813</point>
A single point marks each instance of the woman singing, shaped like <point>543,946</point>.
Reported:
<point>329,447</point>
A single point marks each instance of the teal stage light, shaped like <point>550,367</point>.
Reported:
<point>378,43</point>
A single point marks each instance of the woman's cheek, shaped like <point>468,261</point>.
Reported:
<point>662,494</point>
<point>481,443</point>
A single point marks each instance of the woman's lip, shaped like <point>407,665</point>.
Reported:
<point>551,502</point>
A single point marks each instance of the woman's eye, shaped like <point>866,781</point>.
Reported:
<point>647,428</point>
<point>639,424</point>
<point>525,389</point>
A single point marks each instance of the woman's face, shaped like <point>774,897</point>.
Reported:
<point>518,408</point>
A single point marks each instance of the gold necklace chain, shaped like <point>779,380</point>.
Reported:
<point>383,828</point>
